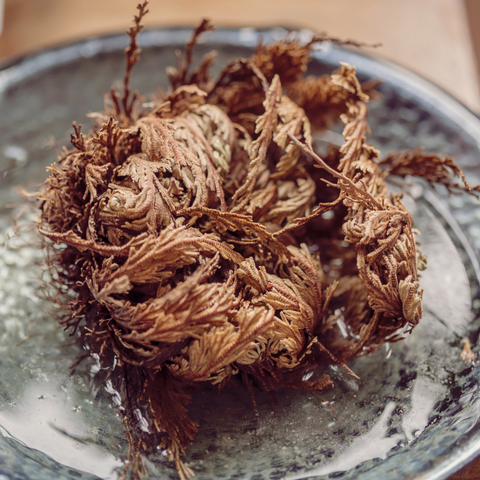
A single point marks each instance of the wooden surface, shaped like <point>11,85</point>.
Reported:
<point>430,37</point>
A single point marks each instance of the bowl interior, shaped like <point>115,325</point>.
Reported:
<point>413,414</point>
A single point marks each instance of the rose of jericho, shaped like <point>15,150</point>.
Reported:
<point>195,232</point>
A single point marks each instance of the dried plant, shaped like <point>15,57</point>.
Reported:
<point>186,234</point>
<point>430,166</point>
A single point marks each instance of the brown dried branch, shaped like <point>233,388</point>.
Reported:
<point>345,184</point>
<point>265,125</point>
<point>179,76</point>
<point>430,166</point>
<point>132,55</point>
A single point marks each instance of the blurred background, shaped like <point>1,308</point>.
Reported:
<point>438,39</point>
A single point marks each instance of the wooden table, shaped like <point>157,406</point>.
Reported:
<point>430,37</point>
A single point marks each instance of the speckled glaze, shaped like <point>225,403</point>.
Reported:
<point>414,413</point>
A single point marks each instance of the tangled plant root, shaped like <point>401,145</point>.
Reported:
<point>192,235</point>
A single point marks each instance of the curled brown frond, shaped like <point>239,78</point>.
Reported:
<point>430,166</point>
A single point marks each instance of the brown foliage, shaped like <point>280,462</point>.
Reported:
<point>430,166</point>
<point>185,235</point>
